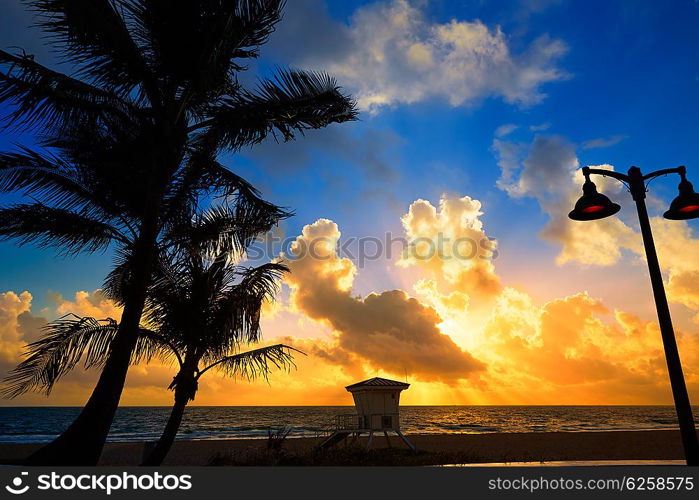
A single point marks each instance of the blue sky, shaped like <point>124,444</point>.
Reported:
<point>475,117</point>
<point>629,73</point>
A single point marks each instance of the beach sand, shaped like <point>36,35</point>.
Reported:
<point>433,448</point>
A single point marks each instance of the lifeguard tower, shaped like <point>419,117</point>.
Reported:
<point>377,403</point>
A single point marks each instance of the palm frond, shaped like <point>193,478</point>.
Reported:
<point>49,178</point>
<point>236,314</point>
<point>237,191</point>
<point>262,281</point>
<point>117,283</point>
<point>225,231</point>
<point>252,24</point>
<point>71,232</point>
<point>113,165</point>
<point>196,42</point>
<point>94,35</point>
<point>202,174</point>
<point>289,103</point>
<point>53,100</point>
<point>64,344</point>
<point>256,363</point>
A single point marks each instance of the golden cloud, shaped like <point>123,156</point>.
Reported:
<point>388,330</point>
<point>13,308</point>
<point>450,244</point>
<point>95,304</point>
<point>574,350</point>
<point>569,350</point>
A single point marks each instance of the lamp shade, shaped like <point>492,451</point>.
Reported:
<point>686,205</point>
<point>593,205</point>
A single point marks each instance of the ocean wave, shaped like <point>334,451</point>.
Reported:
<point>42,424</point>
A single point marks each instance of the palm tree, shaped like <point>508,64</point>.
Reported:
<point>206,307</point>
<point>68,339</point>
<point>200,311</point>
<point>131,140</point>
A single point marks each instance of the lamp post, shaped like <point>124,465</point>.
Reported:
<point>592,206</point>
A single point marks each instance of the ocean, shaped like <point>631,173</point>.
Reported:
<point>41,424</point>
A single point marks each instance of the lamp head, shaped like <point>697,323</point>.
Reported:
<point>686,205</point>
<point>593,205</point>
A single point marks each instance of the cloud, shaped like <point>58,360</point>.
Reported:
<point>547,170</point>
<point>369,149</point>
<point>683,287</point>
<point>388,330</point>
<point>548,166</point>
<point>392,53</point>
<point>602,142</point>
<point>15,324</point>
<point>308,31</point>
<point>450,244</point>
<point>146,384</point>
<point>506,129</point>
<point>569,351</point>
<point>678,253</point>
<point>95,304</point>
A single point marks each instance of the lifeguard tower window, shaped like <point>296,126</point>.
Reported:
<point>387,422</point>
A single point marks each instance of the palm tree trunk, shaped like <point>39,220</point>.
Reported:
<point>185,385</point>
<point>164,444</point>
<point>82,442</point>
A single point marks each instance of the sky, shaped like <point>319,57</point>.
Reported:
<point>475,118</point>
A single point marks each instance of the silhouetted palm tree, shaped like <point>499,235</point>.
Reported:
<point>201,310</point>
<point>131,139</point>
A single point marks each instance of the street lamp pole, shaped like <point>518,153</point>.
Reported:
<point>637,185</point>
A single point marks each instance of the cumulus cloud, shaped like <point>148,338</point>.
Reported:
<point>575,347</point>
<point>392,53</point>
<point>95,304</point>
<point>547,169</point>
<point>323,376</point>
<point>20,325</point>
<point>14,322</point>
<point>569,350</point>
<point>449,242</point>
<point>388,330</point>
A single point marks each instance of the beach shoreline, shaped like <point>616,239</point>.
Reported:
<point>433,449</point>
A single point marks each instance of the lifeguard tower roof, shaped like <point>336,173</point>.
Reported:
<point>377,382</point>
